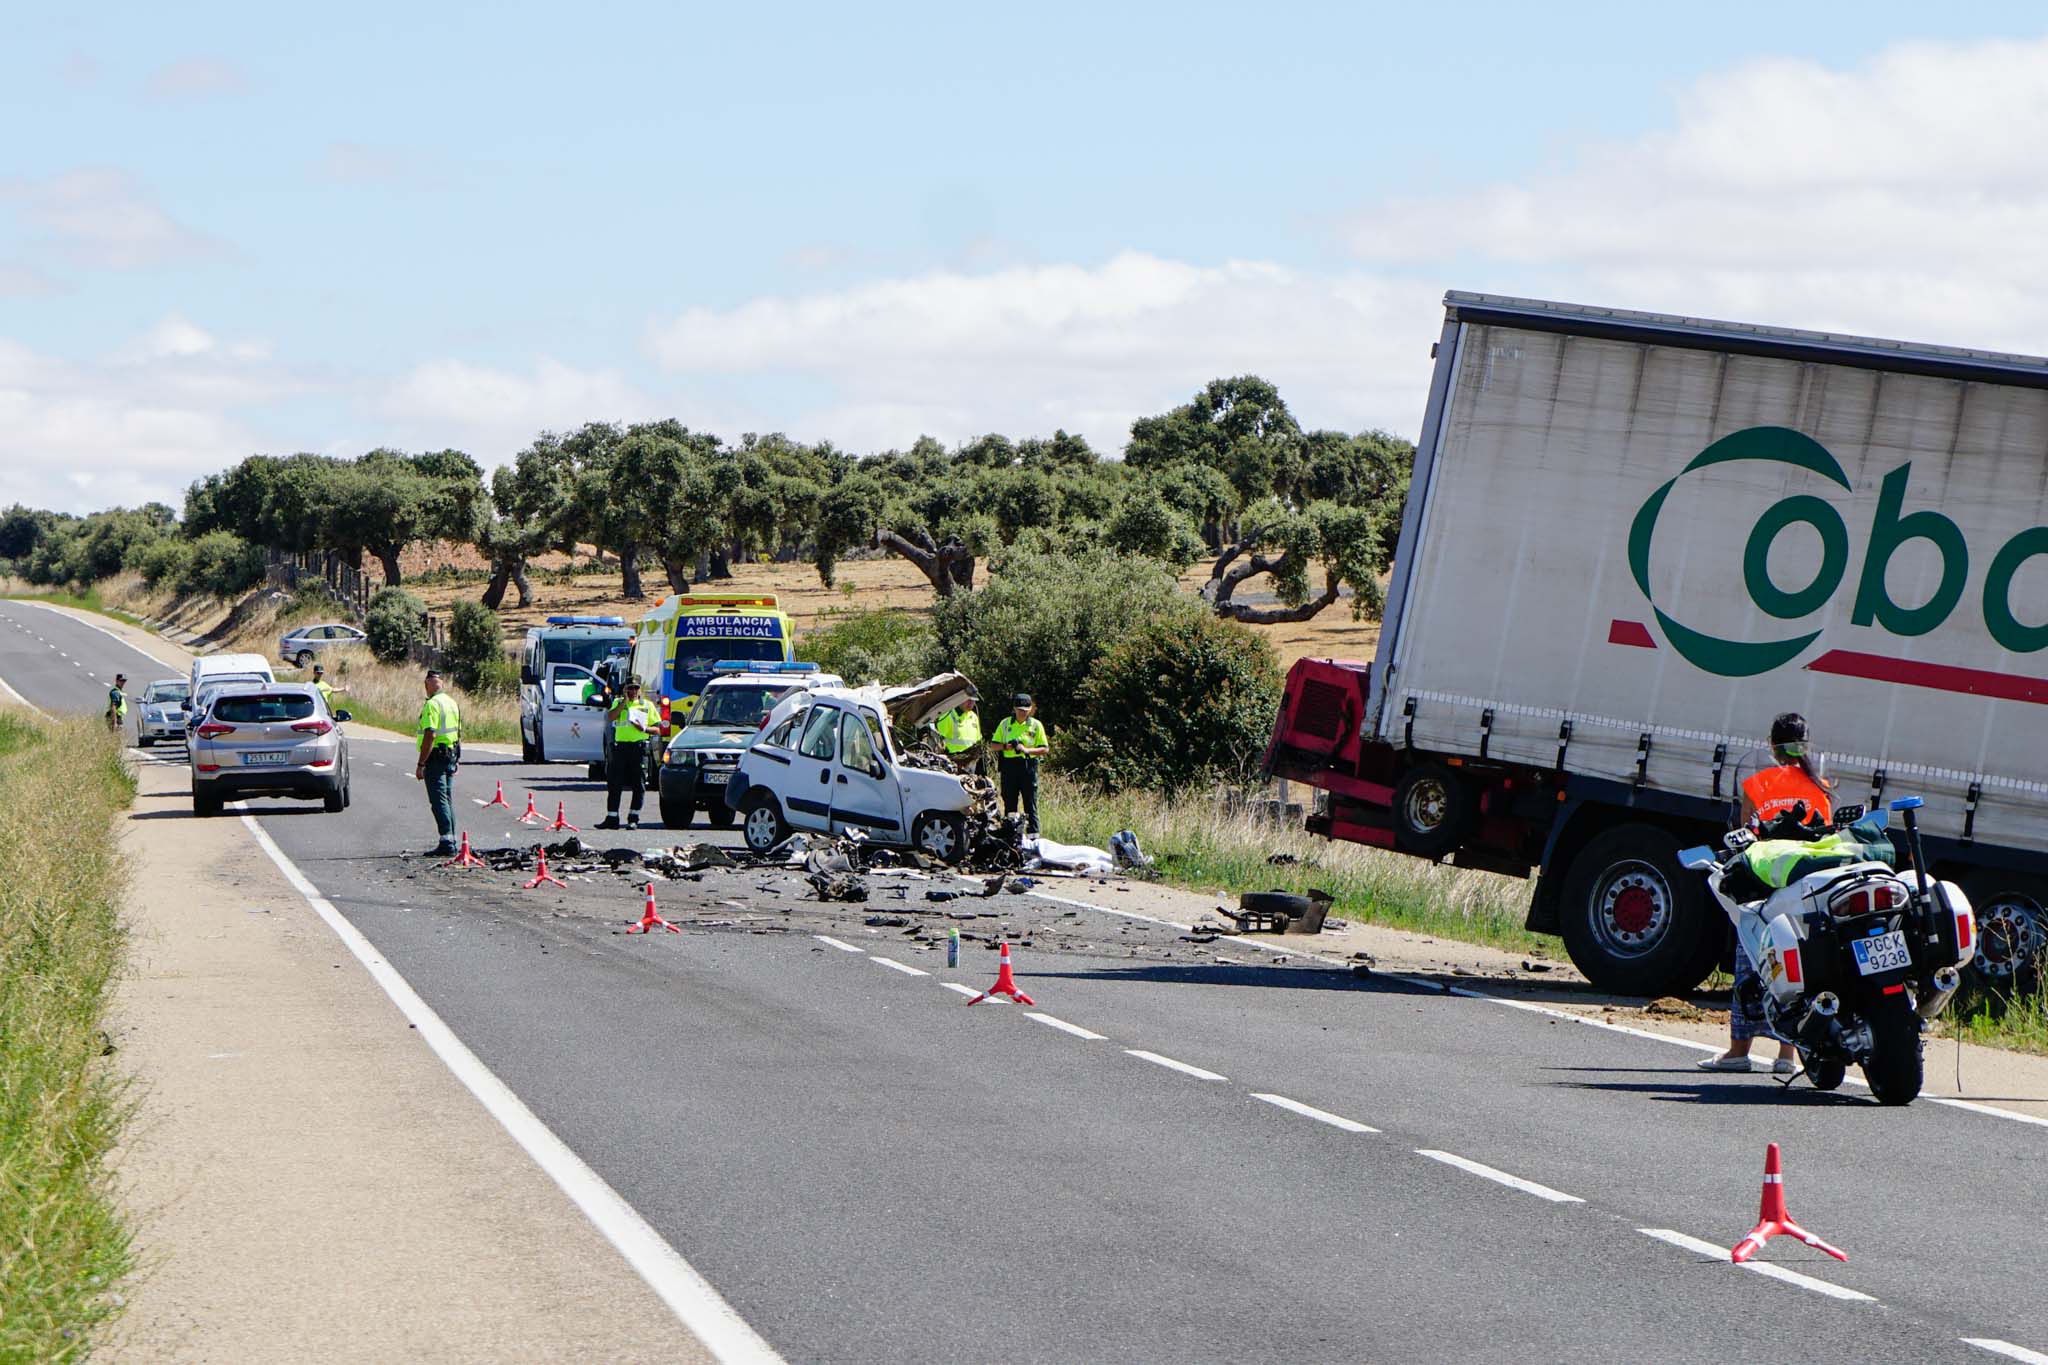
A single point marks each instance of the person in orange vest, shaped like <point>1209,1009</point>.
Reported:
<point>1794,780</point>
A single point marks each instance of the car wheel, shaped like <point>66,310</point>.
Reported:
<point>765,827</point>
<point>676,814</point>
<point>347,797</point>
<point>143,741</point>
<point>305,659</point>
<point>529,752</point>
<point>596,771</point>
<point>334,801</point>
<point>1634,921</point>
<point>1433,808</point>
<point>204,805</point>
<point>940,834</point>
<point>720,816</point>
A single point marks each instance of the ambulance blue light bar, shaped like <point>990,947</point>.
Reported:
<point>586,620</point>
<point>754,666</point>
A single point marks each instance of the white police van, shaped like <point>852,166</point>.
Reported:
<point>560,719</point>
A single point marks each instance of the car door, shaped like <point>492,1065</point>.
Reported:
<point>572,730</point>
<point>807,803</point>
<point>865,796</point>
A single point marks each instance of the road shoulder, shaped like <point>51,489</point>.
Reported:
<point>307,1180</point>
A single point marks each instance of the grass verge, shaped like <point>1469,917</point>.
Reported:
<point>1197,845</point>
<point>87,599</point>
<point>63,1245</point>
<point>2016,1020</point>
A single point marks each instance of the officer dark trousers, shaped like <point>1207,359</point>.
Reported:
<point>1020,783</point>
<point>628,770</point>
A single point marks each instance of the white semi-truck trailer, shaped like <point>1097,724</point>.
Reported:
<point>1631,541</point>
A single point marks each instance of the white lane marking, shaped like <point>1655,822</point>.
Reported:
<point>4,687</point>
<point>822,938</point>
<point>1467,993</point>
<point>697,1305</point>
<point>78,663</point>
<point>956,987</point>
<point>1171,1064</point>
<point>1064,1027</point>
<point>111,635</point>
<point>1764,1268</point>
<point>2006,1349</point>
<point>905,968</point>
<point>1309,1111</point>
<point>62,655</point>
<point>1513,1182</point>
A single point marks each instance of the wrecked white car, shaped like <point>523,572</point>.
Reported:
<point>825,760</point>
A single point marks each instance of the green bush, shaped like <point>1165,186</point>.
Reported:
<point>222,563</point>
<point>879,645</point>
<point>164,563</point>
<point>1145,524</point>
<point>1044,621</point>
<point>395,624</point>
<point>1183,699</point>
<point>474,637</point>
<point>497,676</point>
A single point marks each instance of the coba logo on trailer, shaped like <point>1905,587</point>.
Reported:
<point>1891,529</point>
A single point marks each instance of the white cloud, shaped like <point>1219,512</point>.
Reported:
<point>102,217</point>
<point>197,78</point>
<point>1902,197</point>
<point>360,163</point>
<point>494,413</point>
<point>1029,348</point>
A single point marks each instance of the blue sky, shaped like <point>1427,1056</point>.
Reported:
<point>231,227</point>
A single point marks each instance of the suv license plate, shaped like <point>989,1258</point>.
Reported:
<point>1882,953</point>
<point>715,777</point>
<point>270,757</point>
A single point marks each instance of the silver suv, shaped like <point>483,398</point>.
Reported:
<point>275,739</point>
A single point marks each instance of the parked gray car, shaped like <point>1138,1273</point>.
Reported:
<point>306,643</point>
<point>276,739</point>
<point>157,713</point>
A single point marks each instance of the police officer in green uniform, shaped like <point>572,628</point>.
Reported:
<point>1020,741</point>
<point>117,702</point>
<point>959,731</point>
<point>440,732</point>
<point>634,721</point>
<point>325,688</point>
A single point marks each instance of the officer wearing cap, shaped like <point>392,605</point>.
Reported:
<point>634,721</point>
<point>440,732</point>
<point>959,730</point>
<point>117,702</point>
<point>325,688</point>
<point>1020,741</point>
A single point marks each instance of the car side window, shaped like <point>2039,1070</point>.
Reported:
<point>856,745</point>
<point>820,733</point>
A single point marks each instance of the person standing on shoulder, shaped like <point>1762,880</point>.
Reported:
<point>325,688</point>
<point>959,730</point>
<point>1020,741</point>
<point>117,702</point>
<point>1793,781</point>
<point>634,721</point>
<point>440,732</point>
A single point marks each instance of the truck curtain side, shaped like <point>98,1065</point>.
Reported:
<point>1635,539</point>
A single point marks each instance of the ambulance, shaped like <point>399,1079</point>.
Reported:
<point>685,640</point>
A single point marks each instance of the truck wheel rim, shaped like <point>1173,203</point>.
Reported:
<point>1631,909</point>
<point>1427,805</point>
<point>760,828</point>
<point>2010,936</point>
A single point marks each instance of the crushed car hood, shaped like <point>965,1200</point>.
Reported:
<point>912,704</point>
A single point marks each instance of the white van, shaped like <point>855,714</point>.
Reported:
<point>211,672</point>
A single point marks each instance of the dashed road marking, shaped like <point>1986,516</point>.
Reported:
<point>1513,1182</point>
<point>905,968</point>
<point>1309,1111</point>
<point>1170,1064</point>
<point>1764,1268</point>
<point>1064,1027</point>
<point>956,987</point>
<point>826,939</point>
<point>2006,1349</point>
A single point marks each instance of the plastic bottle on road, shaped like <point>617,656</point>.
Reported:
<point>952,947</point>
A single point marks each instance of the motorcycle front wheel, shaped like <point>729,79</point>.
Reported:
<point>1894,1069</point>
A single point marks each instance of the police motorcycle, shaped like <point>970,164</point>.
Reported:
<point>1853,960</point>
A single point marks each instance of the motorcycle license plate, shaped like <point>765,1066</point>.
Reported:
<point>267,758</point>
<point>1882,953</point>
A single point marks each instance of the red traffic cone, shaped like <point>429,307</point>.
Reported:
<point>541,873</point>
<point>531,813</point>
<point>465,858</point>
<point>651,919</point>
<point>499,800</point>
<point>1006,984</point>
<point>562,819</point>
<point>1771,1218</point>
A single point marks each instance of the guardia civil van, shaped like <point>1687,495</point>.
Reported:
<point>1632,540</point>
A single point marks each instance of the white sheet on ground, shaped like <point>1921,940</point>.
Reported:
<point>1077,857</point>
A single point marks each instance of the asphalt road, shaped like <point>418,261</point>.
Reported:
<point>868,1170</point>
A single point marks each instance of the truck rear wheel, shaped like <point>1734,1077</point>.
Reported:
<point>1634,921</point>
<point>1433,808</point>
<point>2012,926</point>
